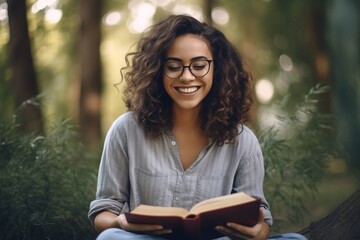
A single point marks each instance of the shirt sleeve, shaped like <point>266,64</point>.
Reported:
<point>113,177</point>
<point>250,173</point>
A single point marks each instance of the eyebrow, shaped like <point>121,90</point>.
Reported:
<point>180,60</point>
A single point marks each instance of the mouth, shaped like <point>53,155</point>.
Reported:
<point>187,90</point>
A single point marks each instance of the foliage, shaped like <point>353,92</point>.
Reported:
<point>46,184</point>
<point>296,158</point>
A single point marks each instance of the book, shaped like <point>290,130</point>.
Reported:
<point>200,221</point>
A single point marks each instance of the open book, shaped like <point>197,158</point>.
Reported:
<point>200,221</point>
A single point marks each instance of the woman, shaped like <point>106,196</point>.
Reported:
<point>183,139</point>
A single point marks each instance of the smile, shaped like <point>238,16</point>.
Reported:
<point>187,89</point>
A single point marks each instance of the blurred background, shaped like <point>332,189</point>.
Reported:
<point>60,61</point>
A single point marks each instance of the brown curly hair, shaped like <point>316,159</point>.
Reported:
<point>223,109</point>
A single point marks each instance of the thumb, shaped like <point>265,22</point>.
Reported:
<point>261,214</point>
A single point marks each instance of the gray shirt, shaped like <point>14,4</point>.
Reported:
<point>137,169</point>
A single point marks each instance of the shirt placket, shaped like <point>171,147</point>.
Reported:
<point>178,191</point>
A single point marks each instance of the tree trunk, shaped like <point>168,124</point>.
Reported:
<point>343,223</point>
<point>90,71</point>
<point>315,21</point>
<point>24,76</point>
<point>207,6</point>
<point>343,40</point>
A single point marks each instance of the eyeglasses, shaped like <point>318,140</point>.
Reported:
<point>198,68</point>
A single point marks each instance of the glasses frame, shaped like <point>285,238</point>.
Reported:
<point>188,67</point>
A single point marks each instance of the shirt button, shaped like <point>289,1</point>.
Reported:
<point>177,198</point>
<point>173,143</point>
<point>181,173</point>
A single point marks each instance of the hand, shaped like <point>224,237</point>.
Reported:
<point>259,231</point>
<point>147,229</point>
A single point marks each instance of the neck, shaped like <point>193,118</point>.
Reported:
<point>186,119</point>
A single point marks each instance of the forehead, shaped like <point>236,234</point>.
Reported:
<point>189,46</point>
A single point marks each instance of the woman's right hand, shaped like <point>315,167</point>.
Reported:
<point>147,229</point>
<point>106,219</point>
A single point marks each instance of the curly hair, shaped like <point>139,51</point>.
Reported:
<point>223,109</point>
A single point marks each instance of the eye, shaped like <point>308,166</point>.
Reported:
<point>173,66</point>
<point>199,65</point>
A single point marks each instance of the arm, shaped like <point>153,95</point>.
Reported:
<point>105,220</point>
<point>112,197</point>
<point>112,193</point>
<point>249,178</point>
<point>250,173</point>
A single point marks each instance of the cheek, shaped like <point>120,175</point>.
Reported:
<point>210,80</point>
<point>166,83</point>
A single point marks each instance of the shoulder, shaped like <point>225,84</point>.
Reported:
<point>123,124</point>
<point>124,120</point>
<point>247,138</point>
<point>246,133</point>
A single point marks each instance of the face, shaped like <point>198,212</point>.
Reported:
<point>186,90</point>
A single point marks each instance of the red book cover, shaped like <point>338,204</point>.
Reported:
<point>200,222</point>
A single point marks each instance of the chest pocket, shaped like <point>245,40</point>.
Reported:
<point>150,188</point>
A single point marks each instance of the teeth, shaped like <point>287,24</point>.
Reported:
<point>188,90</point>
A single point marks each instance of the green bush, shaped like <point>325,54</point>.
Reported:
<point>296,154</point>
<point>46,184</point>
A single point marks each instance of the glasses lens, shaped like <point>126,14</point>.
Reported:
<point>199,68</point>
<point>173,69</point>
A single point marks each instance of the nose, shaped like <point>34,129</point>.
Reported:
<point>187,75</point>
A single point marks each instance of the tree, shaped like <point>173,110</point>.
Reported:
<point>90,70</point>
<point>208,6</point>
<point>343,38</point>
<point>343,223</point>
<point>24,75</point>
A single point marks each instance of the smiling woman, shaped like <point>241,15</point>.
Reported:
<point>188,97</point>
<point>188,85</point>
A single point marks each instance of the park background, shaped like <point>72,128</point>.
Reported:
<point>60,61</point>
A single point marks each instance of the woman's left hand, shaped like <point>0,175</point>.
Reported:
<point>259,231</point>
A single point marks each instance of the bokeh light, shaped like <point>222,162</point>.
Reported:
<point>112,18</point>
<point>286,63</point>
<point>3,12</point>
<point>220,16</point>
<point>264,91</point>
<point>141,15</point>
<point>53,15</point>
<point>43,4</point>
<point>183,8</point>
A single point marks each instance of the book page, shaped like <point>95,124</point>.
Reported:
<point>160,211</point>
<point>221,202</point>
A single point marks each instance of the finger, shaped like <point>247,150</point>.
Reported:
<point>244,230</point>
<point>262,214</point>
<point>248,231</point>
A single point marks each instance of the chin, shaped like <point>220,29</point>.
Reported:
<point>188,106</point>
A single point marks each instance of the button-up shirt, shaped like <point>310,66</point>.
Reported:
<point>138,169</point>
